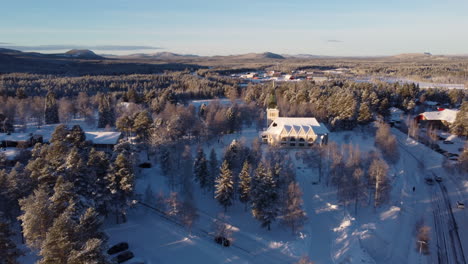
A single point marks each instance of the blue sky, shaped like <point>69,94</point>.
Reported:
<point>208,27</point>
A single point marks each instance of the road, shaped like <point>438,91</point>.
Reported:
<point>449,246</point>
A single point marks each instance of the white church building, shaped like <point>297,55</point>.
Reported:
<point>293,131</point>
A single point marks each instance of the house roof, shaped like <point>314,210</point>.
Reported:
<point>103,137</point>
<point>447,115</point>
<point>295,124</point>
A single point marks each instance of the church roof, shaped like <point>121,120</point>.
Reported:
<point>295,125</point>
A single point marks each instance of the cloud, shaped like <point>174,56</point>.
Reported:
<point>69,47</point>
<point>5,43</point>
<point>335,41</point>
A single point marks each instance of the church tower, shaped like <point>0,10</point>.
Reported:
<point>272,107</point>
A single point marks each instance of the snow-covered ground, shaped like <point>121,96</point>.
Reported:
<point>332,234</point>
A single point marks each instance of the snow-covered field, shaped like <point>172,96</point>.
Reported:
<point>332,234</point>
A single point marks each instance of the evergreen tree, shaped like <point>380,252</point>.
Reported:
<point>294,216</point>
<point>105,111</point>
<point>245,184</point>
<point>89,227</point>
<point>142,124</point>
<point>63,194</point>
<point>98,164</point>
<point>460,125</point>
<point>51,109</point>
<point>60,239</point>
<point>8,251</point>
<point>36,218</point>
<point>224,186</point>
<point>213,164</point>
<point>60,134</point>
<point>91,253</point>
<point>121,184</point>
<point>365,114</point>
<point>200,169</point>
<point>76,136</point>
<point>264,197</point>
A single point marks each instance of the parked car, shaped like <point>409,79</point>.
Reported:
<point>122,257</point>
<point>453,155</point>
<point>222,241</point>
<point>145,165</point>
<point>442,138</point>
<point>122,246</point>
<point>429,181</point>
<point>460,205</point>
<point>447,142</point>
<point>438,178</point>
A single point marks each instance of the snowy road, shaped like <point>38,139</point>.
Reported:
<point>449,245</point>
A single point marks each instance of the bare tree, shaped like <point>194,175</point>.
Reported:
<point>378,171</point>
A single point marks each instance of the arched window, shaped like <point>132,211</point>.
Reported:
<point>292,139</point>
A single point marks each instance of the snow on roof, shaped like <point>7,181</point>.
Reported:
<point>15,137</point>
<point>103,137</point>
<point>448,115</point>
<point>295,124</point>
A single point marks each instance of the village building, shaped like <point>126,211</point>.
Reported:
<point>292,131</point>
<point>441,119</point>
<point>19,140</point>
<point>295,132</point>
<point>103,140</point>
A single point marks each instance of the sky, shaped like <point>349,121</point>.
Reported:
<point>221,27</point>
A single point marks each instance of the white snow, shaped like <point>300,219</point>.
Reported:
<point>448,115</point>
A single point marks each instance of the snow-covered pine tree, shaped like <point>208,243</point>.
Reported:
<point>365,114</point>
<point>245,180</point>
<point>76,169</point>
<point>105,111</point>
<point>213,169</point>
<point>76,136</point>
<point>224,189</point>
<point>63,193</point>
<point>51,109</point>
<point>8,251</point>
<point>200,169</point>
<point>36,218</point>
<point>98,164</point>
<point>60,239</point>
<point>89,227</point>
<point>91,253</point>
<point>293,215</point>
<point>121,185</point>
<point>264,197</point>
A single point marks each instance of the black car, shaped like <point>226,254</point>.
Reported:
<point>438,179</point>
<point>122,257</point>
<point>222,241</point>
<point>118,248</point>
<point>429,181</point>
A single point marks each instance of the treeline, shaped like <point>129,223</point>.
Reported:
<point>345,104</point>
<point>183,85</point>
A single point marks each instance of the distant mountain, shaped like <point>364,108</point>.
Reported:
<point>81,54</point>
<point>307,56</point>
<point>158,56</point>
